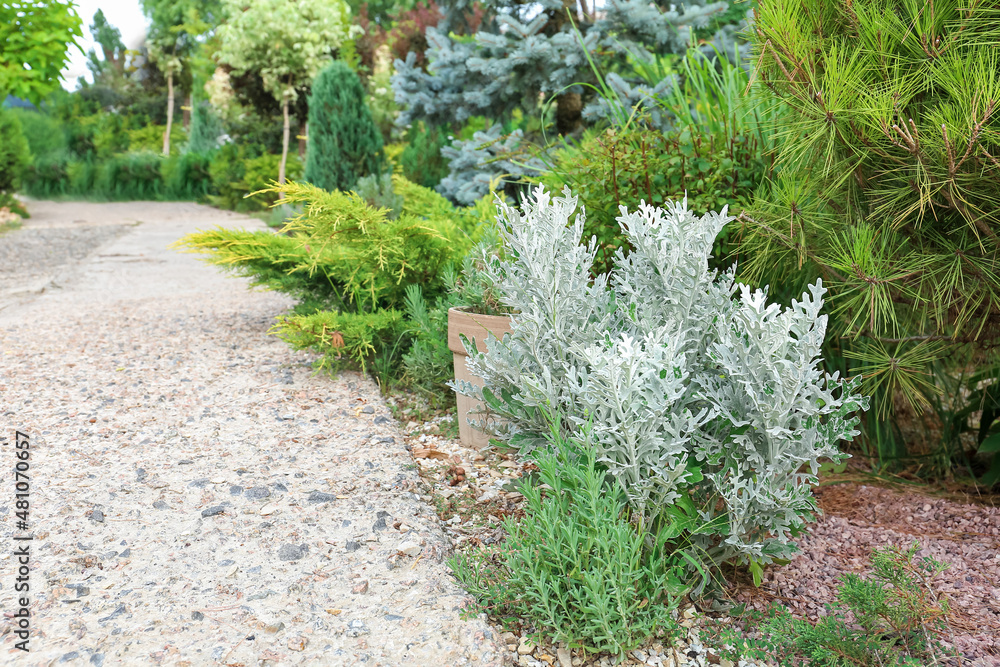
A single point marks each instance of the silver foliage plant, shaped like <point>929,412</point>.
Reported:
<point>705,402</point>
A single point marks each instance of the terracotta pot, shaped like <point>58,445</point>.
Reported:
<point>475,327</point>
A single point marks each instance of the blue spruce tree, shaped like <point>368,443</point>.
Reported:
<point>521,60</point>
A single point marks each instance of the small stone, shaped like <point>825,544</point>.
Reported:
<point>547,659</point>
<point>525,647</point>
<point>197,616</point>
<point>74,654</point>
<point>564,658</point>
<point>257,493</point>
<point>725,662</point>
<point>356,628</point>
<point>97,516</point>
<point>160,505</point>
<point>393,617</point>
<point>382,420</point>
<point>185,462</point>
<point>97,659</point>
<point>268,510</point>
<point>379,524</point>
<point>320,497</point>
<point>125,554</point>
<point>113,615</point>
<point>410,548</point>
<point>297,643</point>
<point>213,511</point>
<point>352,545</point>
<point>278,486</point>
<point>368,410</point>
<point>274,628</point>
<point>199,483</point>
<point>292,552</point>
<point>140,475</point>
<point>360,588</point>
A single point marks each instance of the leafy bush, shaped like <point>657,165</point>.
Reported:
<point>205,130</point>
<point>892,618</point>
<point>889,183</point>
<point>349,264</point>
<point>129,177</point>
<point>613,168</point>
<point>150,138</point>
<point>575,567</point>
<point>377,190</point>
<point>44,133</point>
<point>704,408</point>
<point>421,160</point>
<point>48,177</point>
<point>14,158</point>
<point>236,171</point>
<point>344,144</point>
<point>187,176</point>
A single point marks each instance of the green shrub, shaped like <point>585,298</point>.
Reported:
<point>888,187</point>
<point>150,139</point>
<point>344,144</point>
<point>575,567</point>
<point>44,133</point>
<point>187,177</point>
<point>83,178</point>
<point>349,265</point>
<point>707,404</point>
<point>129,177</point>
<point>421,160</point>
<point>205,129</point>
<point>48,177</point>
<point>893,617</point>
<point>260,172</point>
<point>111,136</point>
<point>14,158</point>
<point>615,168</point>
<point>237,170</point>
<point>378,191</point>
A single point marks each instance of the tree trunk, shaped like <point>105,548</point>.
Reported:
<point>569,108</point>
<point>170,113</point>
<point>584,10</point>
<point>284,147</point>
<point>187,113</point>
<point>303,138</point>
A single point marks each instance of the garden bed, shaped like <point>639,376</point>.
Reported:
<point>473,491</point>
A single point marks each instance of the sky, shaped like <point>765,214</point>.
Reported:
<point>126,15</point>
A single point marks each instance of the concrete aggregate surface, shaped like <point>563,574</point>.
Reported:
<point>198,496</point>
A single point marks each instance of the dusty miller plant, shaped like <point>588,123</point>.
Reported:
<point>705,403</point>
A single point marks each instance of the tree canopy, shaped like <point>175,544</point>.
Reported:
<point>36,38</point>
<point>286,41</point>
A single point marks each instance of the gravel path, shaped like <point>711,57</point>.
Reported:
<point>197,495</point>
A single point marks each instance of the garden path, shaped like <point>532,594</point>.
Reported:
<point>197,495</point>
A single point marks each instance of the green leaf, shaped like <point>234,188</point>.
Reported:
<point>990,445</point>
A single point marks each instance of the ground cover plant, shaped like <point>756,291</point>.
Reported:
<point>888,189</point>
<point>891,617</point>
<point>575,566</point>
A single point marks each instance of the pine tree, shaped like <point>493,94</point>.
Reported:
<point>890,179</point>
<point>344,143</point>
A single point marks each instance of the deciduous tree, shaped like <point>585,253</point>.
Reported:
<point>287,42</point>
<point>36,38</point>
